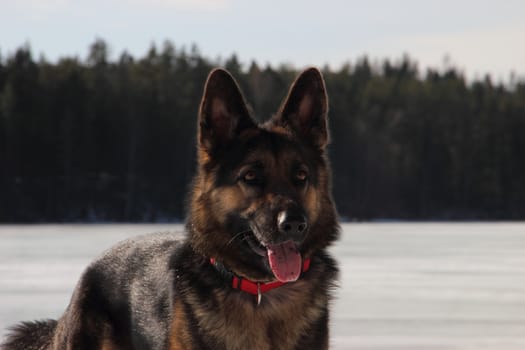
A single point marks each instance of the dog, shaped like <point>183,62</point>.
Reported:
<point>252,272</point>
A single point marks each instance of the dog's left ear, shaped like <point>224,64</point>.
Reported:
<point>305,110</point>
<point>223,112</point>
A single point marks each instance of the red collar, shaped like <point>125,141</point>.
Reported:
<point>258,288</point>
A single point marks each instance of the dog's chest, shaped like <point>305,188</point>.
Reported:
<point>279,322</point>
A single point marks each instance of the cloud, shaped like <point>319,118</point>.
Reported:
<point>191,5</point>
<point>496,50</point>
<point>34,9</point>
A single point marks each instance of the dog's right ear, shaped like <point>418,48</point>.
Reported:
<point>223,112</point>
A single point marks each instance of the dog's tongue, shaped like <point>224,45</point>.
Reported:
<point>285,261</point>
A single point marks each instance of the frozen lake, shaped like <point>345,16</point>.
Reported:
<point>403,286</point>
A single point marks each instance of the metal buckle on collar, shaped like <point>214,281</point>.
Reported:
<point>259,295</point>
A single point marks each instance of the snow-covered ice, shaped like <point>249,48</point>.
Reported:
<point>415,286</point>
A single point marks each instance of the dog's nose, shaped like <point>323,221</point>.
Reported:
<point>292,225</point>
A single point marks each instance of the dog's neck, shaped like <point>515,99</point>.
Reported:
<point>252,287</point>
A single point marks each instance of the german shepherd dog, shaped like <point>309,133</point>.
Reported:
<point>252,272</point>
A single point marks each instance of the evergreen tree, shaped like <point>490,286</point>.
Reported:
<point>98,139</point>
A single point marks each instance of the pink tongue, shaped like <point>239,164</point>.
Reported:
<point>285,261</point>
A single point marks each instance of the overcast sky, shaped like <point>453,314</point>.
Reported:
<point>478,36</point>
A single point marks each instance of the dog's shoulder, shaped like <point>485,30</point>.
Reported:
<point>145,252</point>
<point>131,286</point>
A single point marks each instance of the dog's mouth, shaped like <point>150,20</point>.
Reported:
<point>284,258</point>
<point>254,244</point>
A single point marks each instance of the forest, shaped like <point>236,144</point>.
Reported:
<point>96,139</point>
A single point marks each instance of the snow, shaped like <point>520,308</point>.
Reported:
<point>415,286</point>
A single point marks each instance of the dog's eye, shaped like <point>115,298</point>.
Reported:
<point>301,175</point>
<point>251,177</point>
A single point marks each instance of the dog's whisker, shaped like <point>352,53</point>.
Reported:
<point>235,237</point>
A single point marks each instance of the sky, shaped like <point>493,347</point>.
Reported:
<point>476,36</point>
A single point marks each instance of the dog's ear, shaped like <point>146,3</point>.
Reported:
<point>223,112</point>
<point>304,111</point>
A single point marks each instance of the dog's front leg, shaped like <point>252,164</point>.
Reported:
<point>85,324</point>
<point>317,335</point>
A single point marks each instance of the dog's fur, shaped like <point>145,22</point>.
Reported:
<point>159,292</point>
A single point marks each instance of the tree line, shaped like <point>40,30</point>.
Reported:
<point>100,139</point>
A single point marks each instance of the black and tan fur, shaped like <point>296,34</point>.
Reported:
<point>158,292</point>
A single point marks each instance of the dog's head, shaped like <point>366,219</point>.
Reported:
<point>261,199</point>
